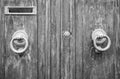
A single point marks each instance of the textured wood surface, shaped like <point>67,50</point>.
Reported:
<point>42,39</point>
<point>55,39</point>
<point>2,41</point>
<point>98,14</point>
<point>117,45</point>
<point>67,40</point>
<point>44,34</point>
<point>60,44</point>
<point>25,66</point>
<point>79,38</point>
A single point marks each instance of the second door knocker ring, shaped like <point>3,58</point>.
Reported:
<point>100,37</point>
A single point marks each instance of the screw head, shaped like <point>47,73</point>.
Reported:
<point>66,33</point>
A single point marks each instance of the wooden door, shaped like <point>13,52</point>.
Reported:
<point>20,66</point>
<point>60,43</point>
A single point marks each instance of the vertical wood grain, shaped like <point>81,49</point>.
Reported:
<point>67,41</point>
<point>25,66</point>
<point>2,41</point>
<point>79,37</point>
<point>41,7</point>
<point>98,14</point>
<point>44,39</point>
<point>49,38</point>
<point>64,55</point>
<point>55,39</point>
<point>117,29</point>
<point>72,37</point>
<point>51,54</point>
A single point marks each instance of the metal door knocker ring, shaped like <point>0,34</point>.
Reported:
<point>100,37</point>
<point>19,41</point>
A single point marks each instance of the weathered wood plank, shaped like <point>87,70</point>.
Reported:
<point>42,39</point>
<point>47,40</point>
<point>64,40</point>
<point>25,66</point>
<point>55,39</point>
<point>98,65</point>
<point>67,40</point>
<point>79,37</point>
<point>72,50</point>
<point>2,41</point>
<point>117,29</point>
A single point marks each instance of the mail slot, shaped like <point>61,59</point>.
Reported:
<point>20,10</point>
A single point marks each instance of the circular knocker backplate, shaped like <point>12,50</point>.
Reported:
<point>19,41</point>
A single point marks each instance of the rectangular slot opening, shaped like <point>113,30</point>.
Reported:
<point>20,10</point>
